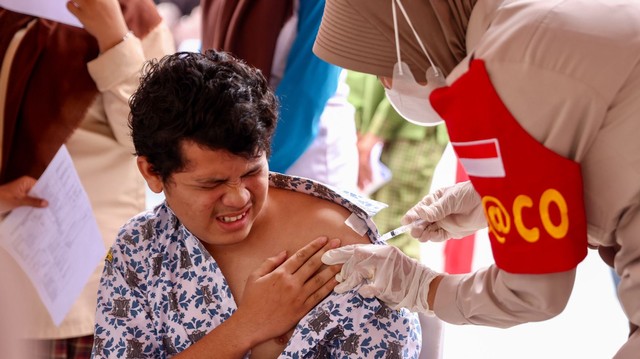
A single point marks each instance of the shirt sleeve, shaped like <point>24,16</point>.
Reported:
<point>116,73</point>
<point>496,298</point>
<point>124,325</point>
<point>348,326</point>
<point>389,333</point>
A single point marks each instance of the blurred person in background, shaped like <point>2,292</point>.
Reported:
<point>184,19</point>
<point>13,310</point>
<point>71,86</point>
<point>184,7</point>
<point>411,153</point>
<point>316,135</point>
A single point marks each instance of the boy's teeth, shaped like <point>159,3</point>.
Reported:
<point>232,219</point>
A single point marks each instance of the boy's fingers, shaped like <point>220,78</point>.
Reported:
<point>301,257</point>
<point>270,264</point>
<point>314,262</point>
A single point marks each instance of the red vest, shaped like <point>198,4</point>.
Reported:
<point>532,197</point>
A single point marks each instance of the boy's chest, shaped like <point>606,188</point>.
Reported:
<point>237,267</point>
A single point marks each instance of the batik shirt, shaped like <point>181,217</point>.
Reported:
<point>161,291</point>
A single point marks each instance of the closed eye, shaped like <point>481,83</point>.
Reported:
<point>254,172</point>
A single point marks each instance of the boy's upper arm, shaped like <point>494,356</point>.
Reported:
<point>354,238</point>
<point>343,231</point>
<point>325,218</point>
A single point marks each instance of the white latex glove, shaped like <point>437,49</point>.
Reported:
<point>384,272</point>
<point>451,212</point>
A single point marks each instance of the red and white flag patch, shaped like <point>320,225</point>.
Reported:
<point>480,158</point>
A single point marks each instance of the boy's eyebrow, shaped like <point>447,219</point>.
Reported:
<point>214,180</point>
<point>210,180</point>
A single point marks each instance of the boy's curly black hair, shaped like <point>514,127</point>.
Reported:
<point>211,99</point>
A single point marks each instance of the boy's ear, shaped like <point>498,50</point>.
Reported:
<point>154,181</point>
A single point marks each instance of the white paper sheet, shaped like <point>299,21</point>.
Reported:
<point>59,246</point>
<point>55,10</point>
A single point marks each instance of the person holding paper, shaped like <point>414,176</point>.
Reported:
<point>16,193</point>
<point>69,85</point>
<point>227,266</point>
<point>316,135</point>
<point>13,195</point>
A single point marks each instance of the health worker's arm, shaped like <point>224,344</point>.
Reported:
<point>496,298</point>
<point>488,297</point>
<point>565,119</point>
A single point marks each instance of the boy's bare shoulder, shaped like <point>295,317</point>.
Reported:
<point>312,217</point>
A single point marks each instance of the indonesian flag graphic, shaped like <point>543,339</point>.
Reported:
<point>480,158</point>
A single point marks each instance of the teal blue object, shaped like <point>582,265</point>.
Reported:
<point>305,88</point>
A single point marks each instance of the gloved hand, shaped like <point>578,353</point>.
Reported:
<point>451,212</point>
<point>384,272</point>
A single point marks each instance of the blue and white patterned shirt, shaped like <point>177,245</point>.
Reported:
<point>161,291</point>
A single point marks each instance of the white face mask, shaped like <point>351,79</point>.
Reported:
<point>406,95</point>
<point>411,99</point>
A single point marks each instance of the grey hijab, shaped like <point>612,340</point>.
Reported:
<point>359,35</point>
<point>452,18</point>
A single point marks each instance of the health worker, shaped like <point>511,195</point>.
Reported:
<point>541,99</point>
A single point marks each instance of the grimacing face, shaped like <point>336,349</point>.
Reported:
<point>218,195</point>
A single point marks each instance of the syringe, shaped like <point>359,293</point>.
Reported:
<point>398,231</point>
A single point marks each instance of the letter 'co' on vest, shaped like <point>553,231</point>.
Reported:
<point>532,197</point>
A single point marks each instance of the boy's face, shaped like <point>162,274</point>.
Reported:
<point>218,195</point>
